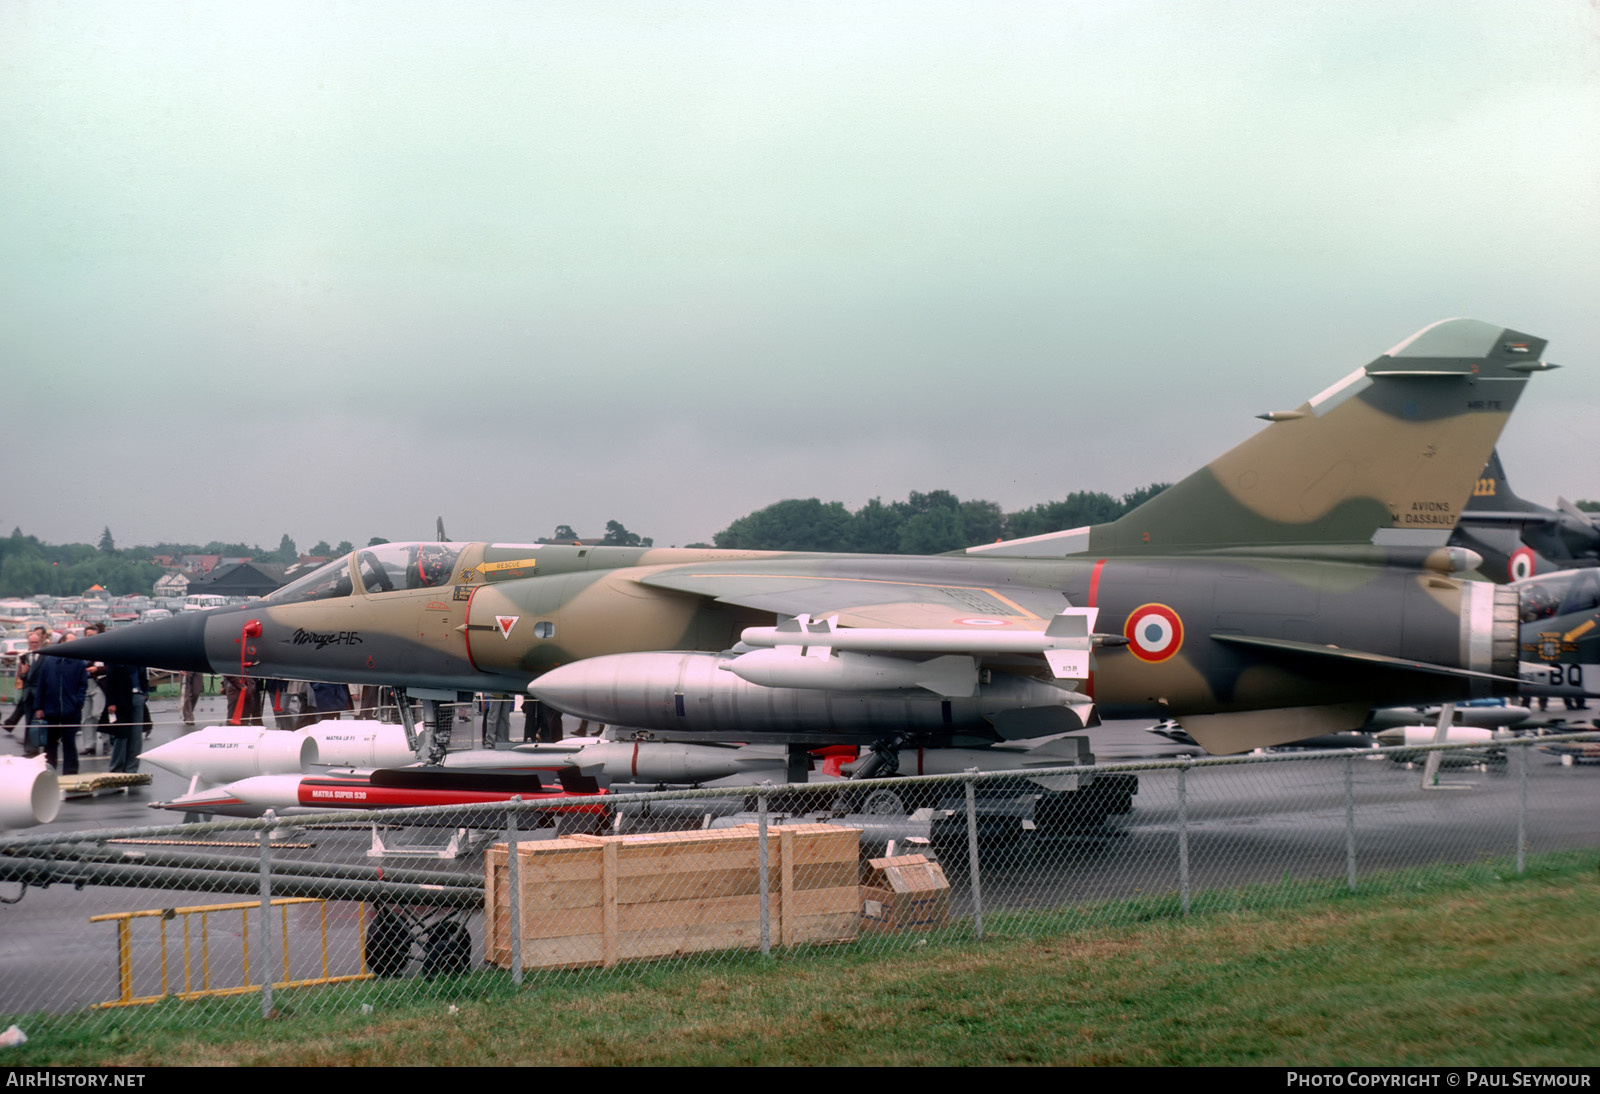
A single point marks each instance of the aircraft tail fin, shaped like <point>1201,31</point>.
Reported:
<point>1388,456</point>
<point>1492,491</point>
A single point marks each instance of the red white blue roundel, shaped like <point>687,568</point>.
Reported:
<point>1154,632</point>
<point>1521,564</point>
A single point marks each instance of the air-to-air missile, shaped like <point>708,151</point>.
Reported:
<point>1484,716</point>
<point>1488,750</point>
<point>1280,592</point>
<point>29,792</point>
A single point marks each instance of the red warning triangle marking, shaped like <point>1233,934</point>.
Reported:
<point>505,623</point>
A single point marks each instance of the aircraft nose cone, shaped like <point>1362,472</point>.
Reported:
<point>178,643</point>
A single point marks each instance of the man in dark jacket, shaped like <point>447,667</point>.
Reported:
<point>127,688</point>
<point>60,687</point>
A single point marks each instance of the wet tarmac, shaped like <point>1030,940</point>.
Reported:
<point>1247,824</point>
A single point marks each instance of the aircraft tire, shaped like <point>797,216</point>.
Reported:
<point>447,950</point>
<point>388,946</point>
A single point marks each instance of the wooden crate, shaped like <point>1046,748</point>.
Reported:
<point>598,900</point>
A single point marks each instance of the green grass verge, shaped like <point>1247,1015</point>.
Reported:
<point>1437,966</point>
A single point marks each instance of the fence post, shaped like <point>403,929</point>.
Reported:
<point>972,861</point>
<point>1183,836</point>
<point>514,891</point>
<point>762,885</point>
<point>1350,822</point>
<point>266,917</point>
<point>1522,810</point>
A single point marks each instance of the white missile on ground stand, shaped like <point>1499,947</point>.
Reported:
<point>220,754</point>
<point>1428,735</point>
<point>1489,750</point>
<point>29,792</point>
<point>225,754</point>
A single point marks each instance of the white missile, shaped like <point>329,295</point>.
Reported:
<point>218,754</point>
<point>29,792</point>
<point>362,743</point>
<point>689,695</point>
<point>1065,642</point>
<point>1427,735</point>
<point>819,667</point>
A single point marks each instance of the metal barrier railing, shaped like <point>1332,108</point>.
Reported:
<point>124,921</point>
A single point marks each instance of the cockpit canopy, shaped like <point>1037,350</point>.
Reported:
<point>1568,592</point>
<point>388,567</point>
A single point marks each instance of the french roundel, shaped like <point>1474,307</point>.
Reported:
<point>1154,632</point>
<point>1521,564</point>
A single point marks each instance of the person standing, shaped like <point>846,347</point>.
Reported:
<point>194,686</point>
<point>127,690</point>
<point>60,686</point>
<point>23,711</point>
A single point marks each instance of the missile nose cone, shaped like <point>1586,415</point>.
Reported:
<point>562,684</point>
<point>178,643</point>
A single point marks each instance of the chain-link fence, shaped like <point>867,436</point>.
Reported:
<point>366,909</point>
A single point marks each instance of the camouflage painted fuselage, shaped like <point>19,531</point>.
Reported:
<point>513,611</point>
<point>1276,593</point>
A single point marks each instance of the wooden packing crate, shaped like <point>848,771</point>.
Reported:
<point>598,900</point>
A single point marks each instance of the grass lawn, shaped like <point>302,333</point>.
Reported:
<point>1468,965</point>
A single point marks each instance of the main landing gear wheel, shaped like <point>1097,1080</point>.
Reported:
<point>388,947</point>
<point>395,934</point>
<point>883,803</point>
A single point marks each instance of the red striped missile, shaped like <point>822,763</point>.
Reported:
<point>389,788</point>
<point>29,792</point>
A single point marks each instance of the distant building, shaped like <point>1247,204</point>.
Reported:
<point>175,583</point>
<point>241,579</point>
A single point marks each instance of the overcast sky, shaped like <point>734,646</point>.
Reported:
<point>334,269</point>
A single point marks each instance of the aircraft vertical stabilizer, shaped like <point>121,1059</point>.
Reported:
<point>1389,455</point>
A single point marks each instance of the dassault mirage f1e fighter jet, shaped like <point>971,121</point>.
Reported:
<point>1279,592</point>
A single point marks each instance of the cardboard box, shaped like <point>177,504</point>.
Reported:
<point>904,893</point>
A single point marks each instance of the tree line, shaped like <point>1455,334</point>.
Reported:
<point>923,524</point>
